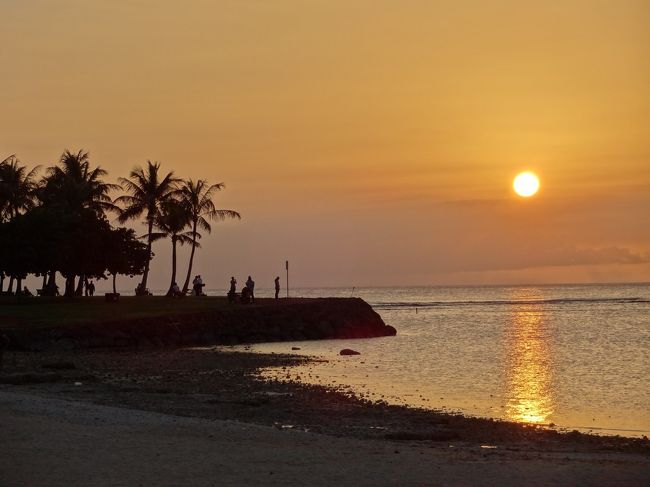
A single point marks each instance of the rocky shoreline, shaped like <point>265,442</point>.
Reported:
<point>267,321</point>
<point>224,385</point>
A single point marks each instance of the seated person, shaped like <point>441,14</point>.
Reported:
<point>140,290</point>
<point>245,295</point>
<point>176,291</point>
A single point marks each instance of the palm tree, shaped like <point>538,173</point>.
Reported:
<point>171,221</point>
<point>17,188</point>
<point>74,185</point>
<point>147,192</point>
<point>196,198</point>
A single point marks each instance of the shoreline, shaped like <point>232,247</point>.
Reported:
<point>341,374</point>
<point>202,416</point>
<point>216,384</point>
<point>52,442</point>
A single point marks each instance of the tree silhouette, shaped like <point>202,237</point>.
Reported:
<point>147,191</point>
<point>196,198</point>
<point>171,221</point>
<point>17,187</point>
<point>124,253</point>
<point>74,186</point>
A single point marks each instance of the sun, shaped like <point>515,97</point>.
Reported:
<point>526,184</point>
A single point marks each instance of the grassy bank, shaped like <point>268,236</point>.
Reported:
<point>44,312</point>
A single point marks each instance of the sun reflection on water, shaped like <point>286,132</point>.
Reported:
<point>529,377</point>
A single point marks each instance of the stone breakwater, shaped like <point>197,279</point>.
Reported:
<point>294,320</point>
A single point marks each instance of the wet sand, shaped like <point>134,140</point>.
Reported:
<point>162,416</point>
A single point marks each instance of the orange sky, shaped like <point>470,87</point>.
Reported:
<point>371,142</point>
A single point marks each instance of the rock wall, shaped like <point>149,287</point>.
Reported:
<point>304,319</point>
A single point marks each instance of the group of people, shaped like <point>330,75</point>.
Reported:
<point>247,294</point>
<point>197,288</point>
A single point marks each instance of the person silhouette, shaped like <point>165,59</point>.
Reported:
<point>232,293</point>
<point>277,287</point>
<point>250,284</point>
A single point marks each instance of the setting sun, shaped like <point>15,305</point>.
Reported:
<point>526,184</point>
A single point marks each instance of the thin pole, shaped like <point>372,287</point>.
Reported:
<point>287,267</point>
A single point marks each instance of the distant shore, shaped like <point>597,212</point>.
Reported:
<point>218,385</point>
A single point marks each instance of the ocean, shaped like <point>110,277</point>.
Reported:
<point>568,356</point>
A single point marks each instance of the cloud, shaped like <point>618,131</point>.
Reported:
<point>568,255</point>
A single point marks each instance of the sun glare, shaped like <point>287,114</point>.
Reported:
<point>526,184</point>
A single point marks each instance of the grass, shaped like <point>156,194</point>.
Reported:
<point>45,312</point>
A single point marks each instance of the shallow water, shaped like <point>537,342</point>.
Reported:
<point>577,357</point>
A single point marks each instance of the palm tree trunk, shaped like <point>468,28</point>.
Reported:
<point>145,275</point>
<point>189,269</point>
<point>10,290</point>
<point>2,282</point>
<point>80,286</point>
<point>171,285</point>
<point>69,286</point>
<point>19,285</point>
<point>114,289</point>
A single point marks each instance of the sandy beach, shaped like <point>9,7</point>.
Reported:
<point>199,417</point>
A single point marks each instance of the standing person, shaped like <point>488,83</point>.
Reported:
<point>250,284</point>
<point>195,285</point>
<point>199,286</point>
<point>277,287</point>
<point>91,288</point>
<point>232,293</point>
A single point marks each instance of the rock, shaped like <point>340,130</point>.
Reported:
<point>349,351</point>
<point>390,331</point>
<point>295,348</point>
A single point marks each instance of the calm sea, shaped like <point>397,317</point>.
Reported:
<point>577,357</point>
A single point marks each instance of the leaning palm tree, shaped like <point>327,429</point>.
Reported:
<point>147,191</point>
<point>17,187</point>
<point>172,221</point>
<point>196,198</point>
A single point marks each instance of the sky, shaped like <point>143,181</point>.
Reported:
<point>370,142</point>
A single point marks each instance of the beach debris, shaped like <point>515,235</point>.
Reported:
<point>295,348</point>
<point>349,351</point>
<point>489,447</point>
